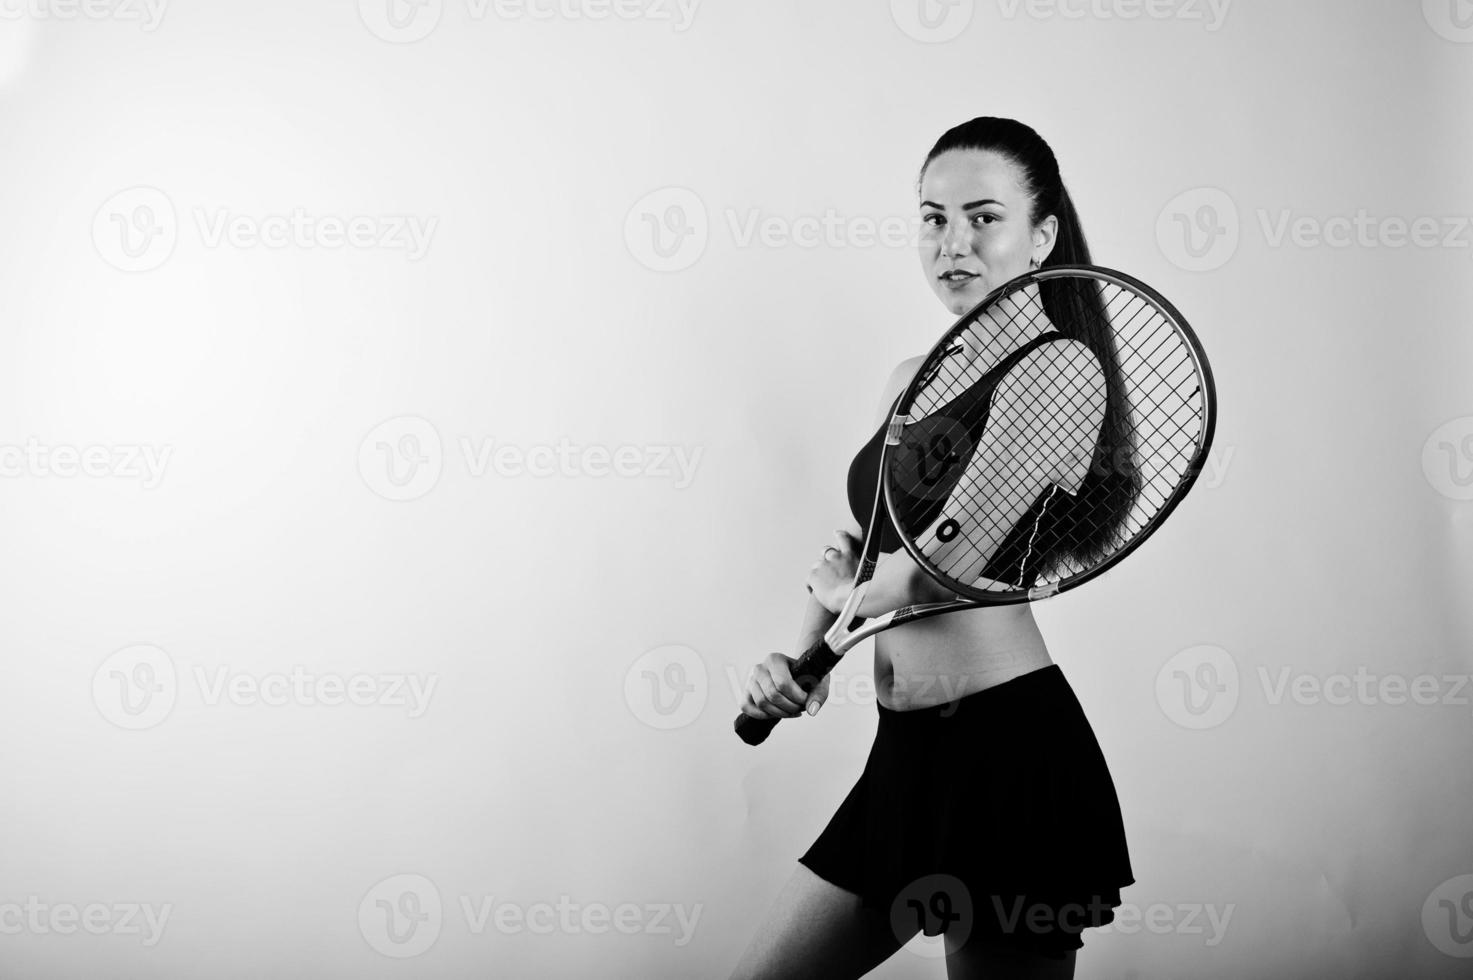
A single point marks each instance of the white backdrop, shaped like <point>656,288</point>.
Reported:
<point>415,419</point>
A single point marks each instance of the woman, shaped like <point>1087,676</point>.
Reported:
<point>985,810</point>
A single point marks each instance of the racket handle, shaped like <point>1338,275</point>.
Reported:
<point>807,670</point>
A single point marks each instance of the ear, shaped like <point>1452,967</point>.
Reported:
<point>1044,236</point>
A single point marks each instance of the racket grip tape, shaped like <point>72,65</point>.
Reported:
<point>807,670</point>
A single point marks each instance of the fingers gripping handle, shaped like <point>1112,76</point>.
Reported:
<point>808,670</point>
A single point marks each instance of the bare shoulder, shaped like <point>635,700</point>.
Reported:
<point>1066,358</point>
<point>899,378</point>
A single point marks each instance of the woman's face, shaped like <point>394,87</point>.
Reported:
<point>975,232</point>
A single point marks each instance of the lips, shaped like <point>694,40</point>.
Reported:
<point>957,277</point>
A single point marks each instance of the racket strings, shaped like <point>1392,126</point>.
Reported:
<point>1138,454</point>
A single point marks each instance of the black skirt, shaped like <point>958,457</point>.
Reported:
<point>992,814</point>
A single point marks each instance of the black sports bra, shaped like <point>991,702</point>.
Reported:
<point>1011,562</point>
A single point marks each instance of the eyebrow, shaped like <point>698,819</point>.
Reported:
<point>965,207</point>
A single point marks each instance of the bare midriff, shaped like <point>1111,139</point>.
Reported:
<point>937,660</point>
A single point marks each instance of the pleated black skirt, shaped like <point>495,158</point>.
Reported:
<point>992,814</point>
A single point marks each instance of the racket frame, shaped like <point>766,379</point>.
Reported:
<point>900,417</point>
<point>850,629</point>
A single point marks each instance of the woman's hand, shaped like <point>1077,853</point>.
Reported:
<point>831,576</point>
<point>772,692</point>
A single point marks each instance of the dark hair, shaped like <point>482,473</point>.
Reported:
<point>1088,527</point>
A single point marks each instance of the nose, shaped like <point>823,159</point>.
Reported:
<point>956,241</point>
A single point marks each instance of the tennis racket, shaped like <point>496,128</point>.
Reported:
<point>1051,430</point>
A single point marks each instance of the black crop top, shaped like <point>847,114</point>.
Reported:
<point>1027,538</point>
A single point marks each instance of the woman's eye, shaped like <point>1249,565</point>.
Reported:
<point>931,219</point>
<point>987,219</point>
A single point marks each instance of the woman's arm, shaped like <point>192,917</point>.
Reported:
<point>899,581</point>
<point>816,622</point>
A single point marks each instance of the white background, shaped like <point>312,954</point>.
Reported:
<point>585,630</point>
